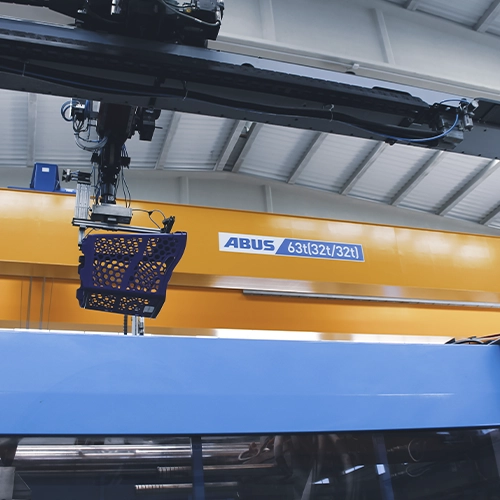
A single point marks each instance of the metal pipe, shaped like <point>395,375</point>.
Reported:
<point>213,470</point>
<point>366,298</point>
<point>29,455</point>
<point>183,487</point>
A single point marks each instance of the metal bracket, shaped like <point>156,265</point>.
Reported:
<point>85,224</point>
<point>137,325</point>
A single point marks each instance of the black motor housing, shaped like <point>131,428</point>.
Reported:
<point>190,23</point>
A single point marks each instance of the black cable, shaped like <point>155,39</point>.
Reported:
<point>402,133</point>
<point>150,213</point>
<point>125,186</point>
<point>125,324</point>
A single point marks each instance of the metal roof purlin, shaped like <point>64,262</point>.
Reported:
<point>172,129</point>
<point>488,17</point>
<point>313,147</point>
<point>255,128</point>
<point>492,215</point>
<point>363,167</point>
<point>412,4</point>
<point>418,177</point>
<point>480,177</point>
<point>386,40</point>
<point>236,131</point>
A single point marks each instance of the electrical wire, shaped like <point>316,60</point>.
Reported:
<point>64,109</point>
<point>92,144</point>
<point>410,140</point>
<point>126,190</point>
<point>150,213</point>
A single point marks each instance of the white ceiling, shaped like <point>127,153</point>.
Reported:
<point>196,143</point>
<point>479,15</point>
<point>461,187</point>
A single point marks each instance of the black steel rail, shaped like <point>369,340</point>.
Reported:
<point>73,62</point>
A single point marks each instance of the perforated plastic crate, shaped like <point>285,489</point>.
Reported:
<point>128,274</point>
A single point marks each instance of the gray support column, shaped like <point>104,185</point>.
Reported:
<point>268,193</point>
<point>32,119</point>
<point>184,190</point>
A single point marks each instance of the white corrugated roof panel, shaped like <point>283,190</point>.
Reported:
<point>145,154</point>
<point>335,161</point>
<point>465,12</point>
<point>481,201</point>
<point>400,2</point>
<point>390,172</point>
<point>445,179</point>
<point>54,141</point>
<point>13,128</point>
<point>198,142</point>
<point>494,27</point>
<point>495,222</point>
<point>276,151</point>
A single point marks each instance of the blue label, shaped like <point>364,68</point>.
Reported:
<point>321,250</point>
<point>274,245</point>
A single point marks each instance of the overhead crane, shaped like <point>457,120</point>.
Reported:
<point>105,419</point>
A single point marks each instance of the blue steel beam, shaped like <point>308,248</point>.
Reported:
<point>54,384</point>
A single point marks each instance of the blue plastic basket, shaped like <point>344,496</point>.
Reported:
<point>128,274</point>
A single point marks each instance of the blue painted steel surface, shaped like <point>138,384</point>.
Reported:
<point>91,384</point>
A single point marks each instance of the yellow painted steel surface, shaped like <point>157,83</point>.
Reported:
<point>52,305</point>
<point>37,241</point>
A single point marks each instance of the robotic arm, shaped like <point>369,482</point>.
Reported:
<point>125,274</point>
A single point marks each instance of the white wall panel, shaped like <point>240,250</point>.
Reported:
<point>225,190</point>
<point>328,27</point>
<point>337,33</point>
<point>13,128</point>
<point>54,137</point>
